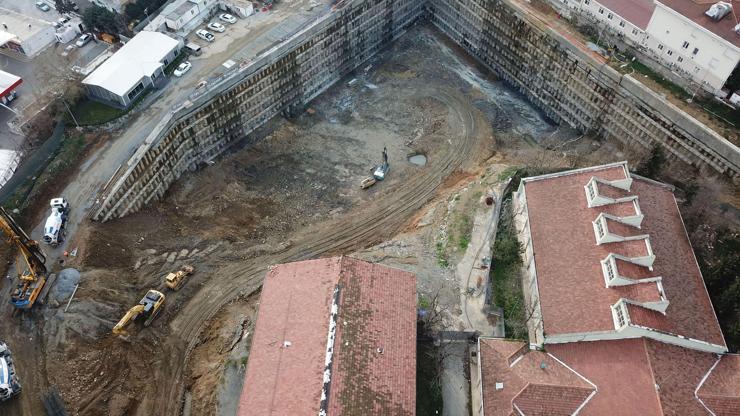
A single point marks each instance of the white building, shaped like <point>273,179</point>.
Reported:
<point>112,5</point>
<point>241,8</point>
<point>24,36</point>
<point>676,33</point>
<point>138,65</point>
<point>182,13</point>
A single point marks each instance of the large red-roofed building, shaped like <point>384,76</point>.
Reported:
<point>334,336</point>
<point>617,302</point>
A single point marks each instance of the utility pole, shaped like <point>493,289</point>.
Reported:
<point>70,112</point>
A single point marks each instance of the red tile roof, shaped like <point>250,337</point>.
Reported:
<point>641,376</point>
<point>533,381</point>
<point>376,309</point>
<point>637,12</point>
<point>720,392</point>
<point>573,296</point>
<point>694,11</point>
<point>621,372</point>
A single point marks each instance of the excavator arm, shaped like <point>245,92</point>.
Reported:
<point>132,313</point>
<point>32,279</point>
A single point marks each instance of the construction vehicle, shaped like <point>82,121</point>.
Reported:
<point>55,223</point>
<point>176,279</point>
<point>149,307</point>
<point>378,172</point>
<point>33,277</point>
<point>10,385</point>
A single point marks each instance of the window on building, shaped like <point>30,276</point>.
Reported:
<point>660,47</point>
<point>634,31</point>
<point>600,230</point>
<point>696,50</point>
<point>680,59</point>
<point>609,271</point>
<point>619,312</point>
<point>601,10</point>
<point>609,16</point>
<point>670,53</point>
<point>591,190</point>
<point>685,45</point>
<point>621,23</point>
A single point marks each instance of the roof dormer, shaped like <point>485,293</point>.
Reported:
<point>596,198</point>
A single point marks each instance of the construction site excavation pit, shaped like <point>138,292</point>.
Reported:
<point>290,191</point>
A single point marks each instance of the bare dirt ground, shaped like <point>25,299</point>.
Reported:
<point>294,195</point>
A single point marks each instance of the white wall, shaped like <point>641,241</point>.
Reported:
<point>610,19</point>
<point>713,63</point>
<point>182,19</point>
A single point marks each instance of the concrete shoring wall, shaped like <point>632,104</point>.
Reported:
<point>568,82</point>
<point>282,80</point>
<point>571,84</point>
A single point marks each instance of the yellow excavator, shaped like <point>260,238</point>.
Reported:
<point>33,277</point>
<point>176,279</point>
<point>149,307</point>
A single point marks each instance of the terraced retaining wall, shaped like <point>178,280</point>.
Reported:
<point>539,57</point>
<point>281,80</point>
<point>546,61</point>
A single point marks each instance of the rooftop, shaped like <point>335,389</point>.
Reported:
<point>588,274</point>
<point>694,11</point>
<point>532,382</point>
<point>20,26</point>
<point>139,57</point>
<point>637,12</point>
<point>8,82</point>
<point>335,335</point>
<point>646,377</point>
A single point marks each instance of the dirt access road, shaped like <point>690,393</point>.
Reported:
<point>92,175</point>
<point>292,196</point>
<point>302,181</point>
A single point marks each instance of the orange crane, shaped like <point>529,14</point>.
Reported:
<point>33,277</point>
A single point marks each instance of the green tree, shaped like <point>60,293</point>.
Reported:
<point>101,19</point>
<point>64,6</point>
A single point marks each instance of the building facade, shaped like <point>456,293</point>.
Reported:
<point>621,322</point>
<point>679,34</point>
<point>136,67</point>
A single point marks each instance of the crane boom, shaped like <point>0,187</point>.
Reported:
<point>32,280</point>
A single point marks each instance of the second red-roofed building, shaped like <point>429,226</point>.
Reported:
<point>621,322</point>
<point>334,336</point>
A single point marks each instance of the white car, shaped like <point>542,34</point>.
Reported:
<point>43,6</point>
<point>227,18</point>
<point>217,27</point>
<point>83,40</point>
<point>183,68</point>
<point>205,35</point>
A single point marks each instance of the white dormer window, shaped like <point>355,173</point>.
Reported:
<point>620,315</point>
<point>609,271</point>
<point>591,190</point>
<point>600,229</point>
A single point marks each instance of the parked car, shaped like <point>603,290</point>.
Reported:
<point>62,20</point>
<point>205,35</point>
<point>182,68</point>
<point>227,18</point>
<point>83,40</point>
<point>217,27</point>
<point>42,6</point>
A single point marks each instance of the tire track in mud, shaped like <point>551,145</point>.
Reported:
<point>383,219</point>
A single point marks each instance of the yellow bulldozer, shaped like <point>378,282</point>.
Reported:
<point>175,280</point>
<point>148,308</point>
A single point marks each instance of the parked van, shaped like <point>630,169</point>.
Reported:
<point>193,49</point>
